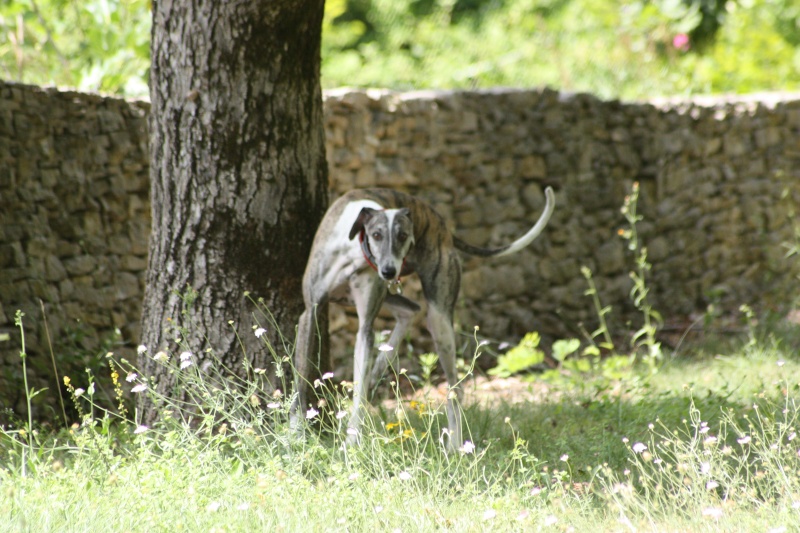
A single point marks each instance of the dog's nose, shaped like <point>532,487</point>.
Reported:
<point>388,272</point>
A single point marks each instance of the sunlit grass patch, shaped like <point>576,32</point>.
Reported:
<point>706,444</point>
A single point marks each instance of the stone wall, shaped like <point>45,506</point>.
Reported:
<point>74,206</point>
<point>712,174</point>
<point>74,224</point>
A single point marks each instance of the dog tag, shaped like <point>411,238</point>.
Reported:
<point>394,286</point>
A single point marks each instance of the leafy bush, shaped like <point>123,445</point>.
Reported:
<point>650,47</point>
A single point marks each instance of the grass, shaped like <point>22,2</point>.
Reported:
<point>707,443</point>
<point>646,441</point>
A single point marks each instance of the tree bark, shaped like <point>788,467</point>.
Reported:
<point>238,176</point>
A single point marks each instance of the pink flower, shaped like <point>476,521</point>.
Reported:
<point>681,42</point>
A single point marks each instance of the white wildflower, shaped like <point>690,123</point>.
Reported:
<point>259,332</point>
<point>311,413</point>
<point>141,349</point>
<point>639,447</point>
<point>141,387</point>
<point>130,378</point>
<point>713,512</point>
<point>405,476</point>
<point>468,447</point>
<point>140,429</point>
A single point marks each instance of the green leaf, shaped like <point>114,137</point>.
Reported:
<point>563,348</point>
<point>578,365</point>
<point>591,350</point>
<point>520,357</point>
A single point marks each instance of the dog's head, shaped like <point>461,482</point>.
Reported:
<point>389,234</point>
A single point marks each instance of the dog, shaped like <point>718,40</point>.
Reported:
<point>366,242</point>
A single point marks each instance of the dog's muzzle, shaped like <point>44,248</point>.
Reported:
<point>388,272</point>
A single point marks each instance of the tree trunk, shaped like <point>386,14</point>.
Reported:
<point>238,176</point>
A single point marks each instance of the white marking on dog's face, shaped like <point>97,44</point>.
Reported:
<point>390,236</point>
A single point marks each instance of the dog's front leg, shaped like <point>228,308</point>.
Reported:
<point>403,311</point>
<point>368,292</point>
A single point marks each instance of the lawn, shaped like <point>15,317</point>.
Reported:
<point>705,443</point>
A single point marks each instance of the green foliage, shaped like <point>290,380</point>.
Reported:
<point>521,357</point>
<point>564,348</point>
<point>645,336</point>
<point>650,47</point>
<point>93,45</point>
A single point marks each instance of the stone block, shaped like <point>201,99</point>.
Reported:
<point>54,269</point>
<point>80,265</point>
<point>532,167</point>
<point>14,293</point>
<point>94,298</point>
<point>126,285</point>
<point>133,263</point>
<point>610,257</point>
<point>45,291</point>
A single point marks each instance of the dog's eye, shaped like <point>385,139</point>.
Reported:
<point>402,237</point>
<point>377,236</point>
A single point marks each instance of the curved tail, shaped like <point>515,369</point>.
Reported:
<point>520,243</point>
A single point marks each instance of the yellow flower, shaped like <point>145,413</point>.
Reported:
<point>66,381</point>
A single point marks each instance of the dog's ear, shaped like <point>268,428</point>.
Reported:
<point>406,212</point>
<point>363,217</point>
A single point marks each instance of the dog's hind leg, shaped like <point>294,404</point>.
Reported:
<point>368,292</point>
<point>403,311</point>
<point>441,290</point>
<point>440,324</point>
<point>306,346</point>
